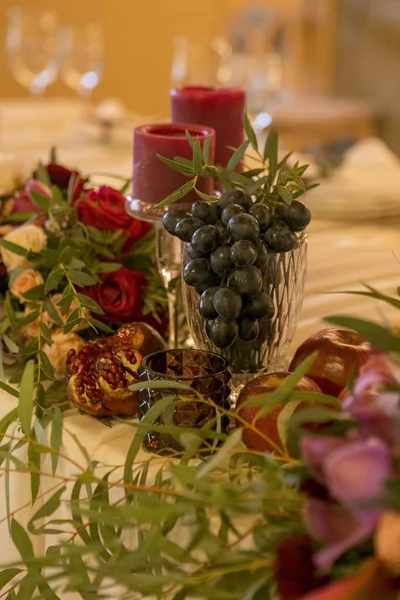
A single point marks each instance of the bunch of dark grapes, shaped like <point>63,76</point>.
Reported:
<point>229,245</point>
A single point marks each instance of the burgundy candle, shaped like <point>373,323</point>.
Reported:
<point>221,109</point>
<point>152,179</point>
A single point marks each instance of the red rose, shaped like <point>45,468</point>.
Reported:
<point>120,295</point>
<point>105,209</point>
<point>61,176</point>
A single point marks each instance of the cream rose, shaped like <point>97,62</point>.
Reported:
<point>32,329</point>
<point>387,540</point>
<point>30,237</point>
<point>74,305</point>
<point>57,352</point>
<point>25,282</point>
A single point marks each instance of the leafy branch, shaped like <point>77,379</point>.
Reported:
<point>273,183</point>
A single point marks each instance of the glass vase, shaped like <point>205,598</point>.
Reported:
<point>284,278</point>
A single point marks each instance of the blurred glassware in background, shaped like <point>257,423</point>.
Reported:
<point>208,63</point>
<point>256,35</point>
<point>32,46</point>
<point>82,57</point>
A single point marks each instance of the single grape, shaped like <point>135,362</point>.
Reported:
<point>206,306</point>
<point>227,303</point>
<point>243,253</point>
<point>265,331</point>
<point>205,212</point>
<point>172,218</point>
<point>262,214</point>
<point>220,260</point>
<point>278,223</point>
<point>280,239</point>
<point>244,227</point>
<point>222,232</point>
<point>249,329</point>
<point>212,280</point>
<point>186,228</point>
<point>246,280</point>
<point>262,255</point>
<point>233,197</point>
<point>193,254</point>
<point>296,215</point>
<point>230,211</point>
<point>209,323</point>
<point>222,333</point>
<point>204,239</point>
<point>259,306</point>
<point>197,272</point>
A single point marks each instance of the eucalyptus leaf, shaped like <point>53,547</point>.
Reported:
<point>53,279</point>
<point>108,267</point>
<point>81,278</point>
<point>34,462</point>
<point>205,197</point>
<point>206,150</point>
<point>99,325</point>
<point>56,438</point>
<point>46,365</point>
<point>42,175</point>
<point>41,201</point>
<point>188,171</point>
<point>237,156</point>
<point>35,293</point>
<point>250,131</point>
<point>14,248</point>
<point>46,510</point>
<point>7,575</point>
<point>197,158</point>
<point>271,154</point>
<point>189,138</point>
<point>91,304</point>
<point>52,312</point>
<point>26,397</point>
<point>10,344</point>
<point>178,194</point>
<point>21,540</point>
<point>285,194</point>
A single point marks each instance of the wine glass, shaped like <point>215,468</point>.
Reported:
<point>83,57</point>
<point>207,63</point>
<point>32,45</point>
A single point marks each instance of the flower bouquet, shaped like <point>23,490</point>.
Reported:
<point>74,267</point>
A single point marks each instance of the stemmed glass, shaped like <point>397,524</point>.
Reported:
<point>207,63</point>
<point>32,45</point>
<point>83,57</point>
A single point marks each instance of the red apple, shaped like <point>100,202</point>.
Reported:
<point>267,424</point>
<point>340,351</point>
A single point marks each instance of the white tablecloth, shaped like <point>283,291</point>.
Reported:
<point>341,255</point>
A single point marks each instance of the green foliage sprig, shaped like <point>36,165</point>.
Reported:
<point>272,183</point>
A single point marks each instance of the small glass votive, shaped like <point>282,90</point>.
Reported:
<point>207,375</point>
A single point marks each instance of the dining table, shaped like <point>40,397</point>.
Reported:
<point>342,255</point>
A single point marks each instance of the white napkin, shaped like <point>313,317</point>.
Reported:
<point>366,184</point>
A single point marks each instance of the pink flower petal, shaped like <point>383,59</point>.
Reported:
<point>315,449</point>
<point>38,187</point>
<point>330,524</point>
<point>357,471</point>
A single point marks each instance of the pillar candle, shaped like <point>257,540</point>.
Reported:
<point>222,109</point>
<point>152,179</point>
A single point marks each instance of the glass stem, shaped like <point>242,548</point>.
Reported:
<point>168,254</point>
